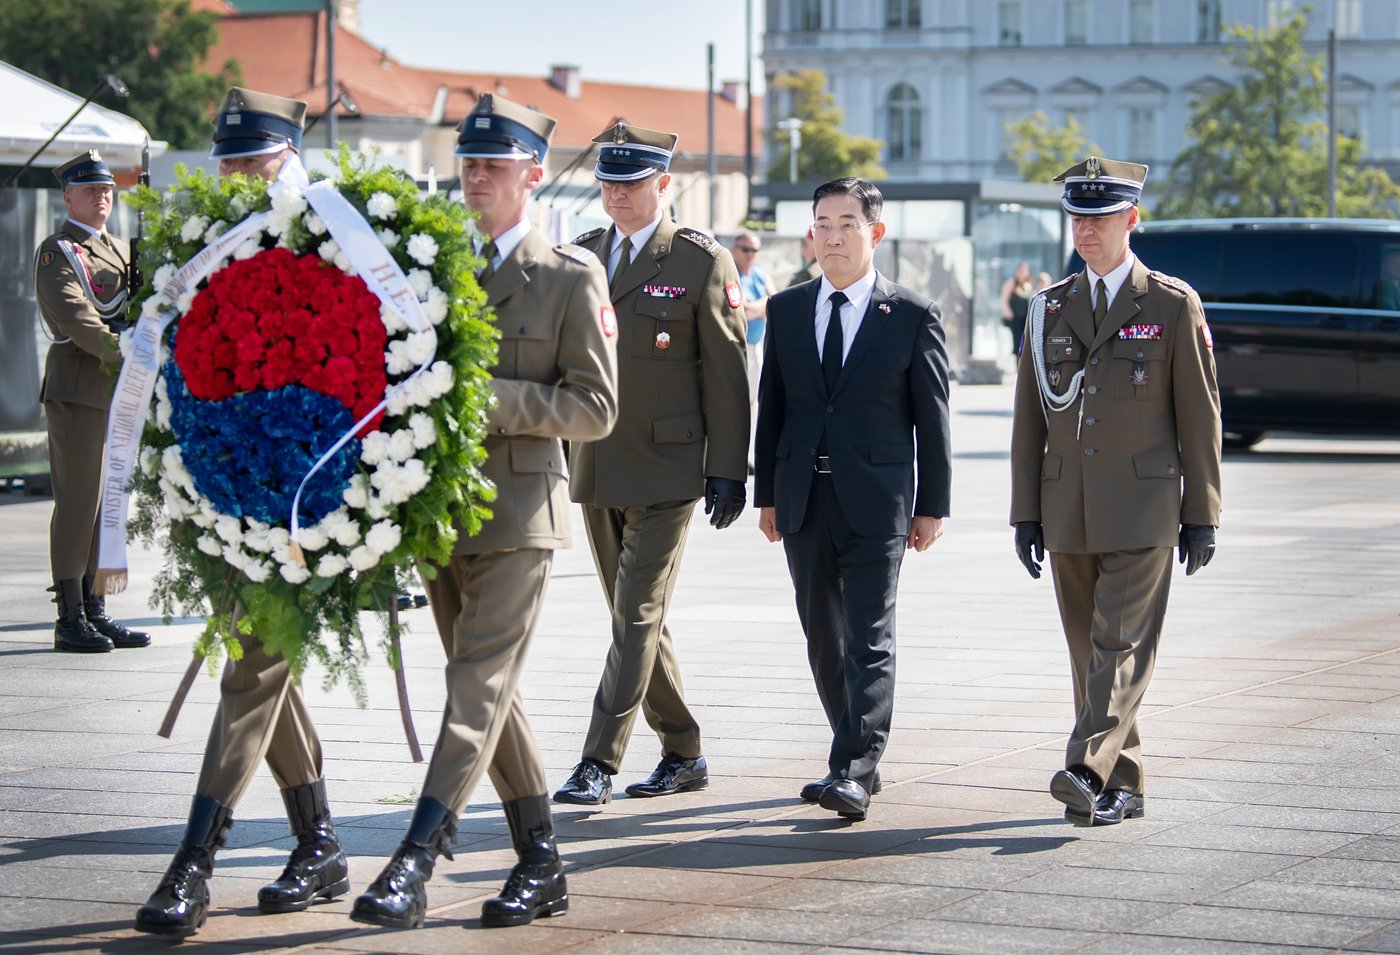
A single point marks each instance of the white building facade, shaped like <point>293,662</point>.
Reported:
<point>939,80</point>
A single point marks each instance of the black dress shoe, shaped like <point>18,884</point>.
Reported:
<point>589,785</point>
<point>95,610</point>
<point>1078,790</point>
<point>846,798</point>
<point>674,774</point>
<point>1115,805</point>
<point>812,792</point>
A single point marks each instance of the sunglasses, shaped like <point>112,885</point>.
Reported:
<point>744,248</point>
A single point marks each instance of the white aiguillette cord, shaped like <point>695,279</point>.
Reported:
<point>1049,401</point>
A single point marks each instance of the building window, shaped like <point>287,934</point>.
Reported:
<point>1076,22</point>
<point>1208,23</point>
<point>1007,118</point>
<point>1279,11</point>
<point>904,124</point>
<point>1349,120</point>
<point>1140,21</point>
<point>1348,13</point>
<point>1009,23</point>
<point>1142,132</point>
<point>904,13</point>
<point>807,15</point>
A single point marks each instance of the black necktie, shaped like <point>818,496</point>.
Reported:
<point>624,259</point>
<point>1100,304</point>
<point>488,252</point>
<point>834,342</point>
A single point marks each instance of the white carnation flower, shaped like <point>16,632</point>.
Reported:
<point>420,280</point>
<point>362,558</point>
<point>342,262</point>
<point>424,430</point>
<point>377,509</point>
<point>331,565</point>
<point>401,445</point>
<point>423,249</point>
<point>313,538</point>
<point>295,573</point>
<point>341,528</point>
<point>235,558</point>
<point>436,305</point>
<point>328,250</point>
<point>383,537</point>
<point>421,346</point>
<point>374,448</point>
<point>286,198</point>
<point>193,228</point>
<point>314,224</point>
<point>257,539</point>
<point>152,306</point>
<point>249,248</point>
<point>210,545</point>
<point>257,571</point>
<point>124,341</point>
<point>163,276</point>
<point>215,230</point>
<point>381,205</point>
<point>392,318</point>
<point>229,529</point>
<point>389,237</point>
<point>150,461</point>
<point>279,223</point>
<point>356,493</point>
<point>238,207</point>
<point>185,301</point>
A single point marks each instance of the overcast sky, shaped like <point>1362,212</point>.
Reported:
<point>658,44</point>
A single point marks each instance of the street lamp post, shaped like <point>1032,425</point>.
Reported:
<point>793,125</point>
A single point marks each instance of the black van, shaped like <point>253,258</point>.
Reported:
<point>1305,314</point>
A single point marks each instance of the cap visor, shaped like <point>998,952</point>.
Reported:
<point>1095,207</point>
<point>237,148</point>
<point>485,150</point>
<point>620,172</point>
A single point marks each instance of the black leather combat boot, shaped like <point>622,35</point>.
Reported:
<point>317,868</point>
<point>180,904</point>
<point>95,609</point>
<point>536,885</point>
<point>72,633</point>
<point>399,897</point>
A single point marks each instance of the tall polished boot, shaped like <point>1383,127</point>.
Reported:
<point>95,609</point>
<point>180,903</point>
<point>399,897</point>
<point>317,868</point>
<point>536,885</point>
<point>72,633</point>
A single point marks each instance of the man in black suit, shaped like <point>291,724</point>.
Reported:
<point>852,467</point>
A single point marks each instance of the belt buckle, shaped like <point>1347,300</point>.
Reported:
<point>823,464</point>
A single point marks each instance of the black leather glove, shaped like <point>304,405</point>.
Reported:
<point>1030,536</point>
<point>1196,546</point>
<point>724,500</point>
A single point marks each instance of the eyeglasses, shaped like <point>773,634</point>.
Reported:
<point>745,248</point>
<point>824,230</point>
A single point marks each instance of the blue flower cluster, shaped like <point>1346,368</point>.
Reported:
<point>247,454</point>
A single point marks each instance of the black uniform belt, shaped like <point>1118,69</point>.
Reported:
<point>823,464</point>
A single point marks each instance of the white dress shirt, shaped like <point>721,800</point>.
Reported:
<point>858,299</point>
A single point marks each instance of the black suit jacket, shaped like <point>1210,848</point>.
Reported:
<point>886,420</point>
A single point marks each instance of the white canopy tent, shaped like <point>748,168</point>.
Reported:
<point>35,108</point>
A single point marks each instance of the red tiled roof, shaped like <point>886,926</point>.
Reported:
<point>284,53</point>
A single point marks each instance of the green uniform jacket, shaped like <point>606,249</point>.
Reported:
<point>556,379</point>
<point>1146,458</point>
<point>73,369</point>
<point>684,399</point>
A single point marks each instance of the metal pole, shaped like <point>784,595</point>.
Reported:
<point>710,128</point>
<point>1332,122</point>
<point>330,75</point>
<point>748,107</point>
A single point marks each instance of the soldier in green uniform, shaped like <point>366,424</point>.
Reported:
<point>1115,459</point>
<point>80,279</point>
<point>682,432</point>
<point>261,714</point>
<point>556,380</point>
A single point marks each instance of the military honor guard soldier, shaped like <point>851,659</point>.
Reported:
<point>80,281</point>
<point>261,713</point>
<point>556,380</point>
<point>1115,459</point>
<point>682,433</point>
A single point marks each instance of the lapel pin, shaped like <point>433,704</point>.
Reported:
<point>884,307</point>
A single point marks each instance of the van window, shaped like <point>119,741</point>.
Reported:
<point>1304,268</point>
<point>1386,288</point>
<point>1192,257</point>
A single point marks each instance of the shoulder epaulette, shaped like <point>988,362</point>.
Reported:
<point>589,235</point>
<point>1171,281</point>
<point>1067,280</point>
<point>700,239</point>
<point>577,253</point>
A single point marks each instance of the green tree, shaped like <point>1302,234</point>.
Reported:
<point>1042,151</point>
<point>826,152</point>
<point>155,46</point>
<point>1260,148</point>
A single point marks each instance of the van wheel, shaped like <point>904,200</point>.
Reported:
<point>1241,440</point>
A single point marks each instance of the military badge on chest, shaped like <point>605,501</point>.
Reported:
<point>663,337</point>
<point>1140,333</point>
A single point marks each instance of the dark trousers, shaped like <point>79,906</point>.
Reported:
<point>846,585</point>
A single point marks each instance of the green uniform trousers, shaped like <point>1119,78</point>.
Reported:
<point>637,552</point>
<point>261,715</point>
<point>1112,607</point>
<point>77,437</point>
<point>486,606</point>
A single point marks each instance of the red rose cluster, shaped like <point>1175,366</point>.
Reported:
<point>280,319</point>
